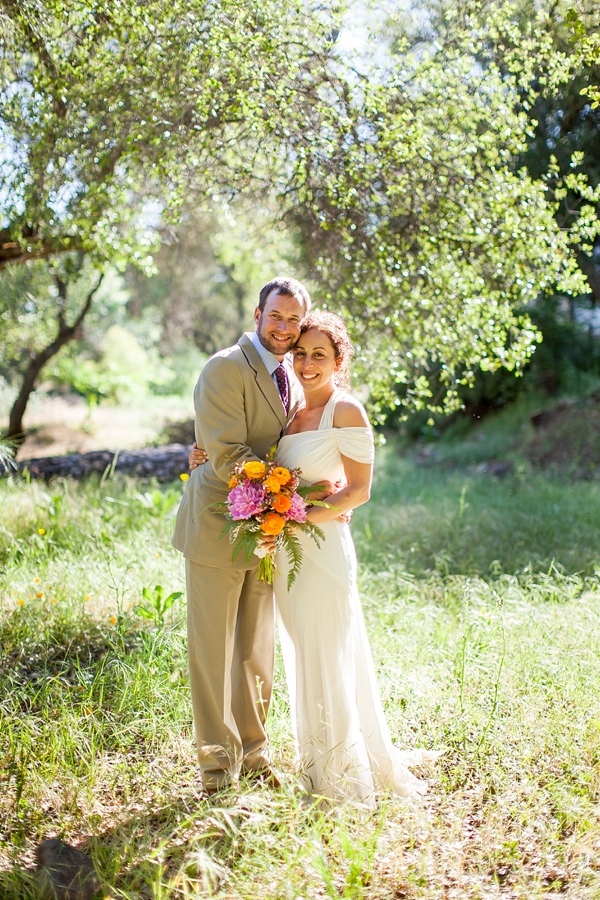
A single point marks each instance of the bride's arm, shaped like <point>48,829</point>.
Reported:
<point>357,490</point>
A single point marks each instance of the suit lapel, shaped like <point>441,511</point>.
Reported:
<point>263,379</point>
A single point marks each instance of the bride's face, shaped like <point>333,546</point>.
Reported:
<point>315,362</point>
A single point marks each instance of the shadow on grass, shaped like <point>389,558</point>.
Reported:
<point>184,843</point>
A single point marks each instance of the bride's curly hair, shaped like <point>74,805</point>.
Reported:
<point>333,326</point>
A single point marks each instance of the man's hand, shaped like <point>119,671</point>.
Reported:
<point>197,456</point>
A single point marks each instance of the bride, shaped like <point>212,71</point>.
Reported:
<point>343,743</point>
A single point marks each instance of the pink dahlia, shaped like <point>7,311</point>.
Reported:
<point>246,500</point>
<point>297,511</point>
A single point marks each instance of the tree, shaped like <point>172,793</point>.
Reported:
<point>112,114</point>
<point>405,182</point>
<point>67,328</point>
<point>443,237</point>
<point>104,104</point>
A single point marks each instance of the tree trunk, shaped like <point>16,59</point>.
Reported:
<point>15,433</point>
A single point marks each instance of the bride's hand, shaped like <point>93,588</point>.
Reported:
<point>323,490</point>
<point>197,456</point>
<point>266,545</point>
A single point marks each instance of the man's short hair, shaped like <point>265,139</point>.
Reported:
<point>289,287</point>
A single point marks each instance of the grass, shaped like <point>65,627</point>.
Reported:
<point>482,600</point>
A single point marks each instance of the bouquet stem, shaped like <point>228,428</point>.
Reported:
<point>266,569</point>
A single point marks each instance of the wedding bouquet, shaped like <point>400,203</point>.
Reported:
<point>266,499</point>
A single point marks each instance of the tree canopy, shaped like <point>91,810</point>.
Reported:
<point>420,215</point>
<point>403,180</point>
<point>109,109</point>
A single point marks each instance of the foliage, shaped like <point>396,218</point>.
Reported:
<point>110,109</point>
<point>443,237</point>
<point>403,180</point>
<point>156,605</point>
<point>580,20</point>
<point>209,270</point>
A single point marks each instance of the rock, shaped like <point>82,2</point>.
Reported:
<point>65,873</point>
<point>163,463</point>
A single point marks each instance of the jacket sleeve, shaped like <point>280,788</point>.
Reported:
<point>221,426</point>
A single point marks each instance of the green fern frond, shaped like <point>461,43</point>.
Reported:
<point>293,551</point>
<point>242,538</point>
<point>306,491</point>
<point>315,532</point>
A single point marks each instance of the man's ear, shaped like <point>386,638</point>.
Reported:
<point>257,315</point>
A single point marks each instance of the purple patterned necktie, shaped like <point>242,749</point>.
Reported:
<point>284,387</point>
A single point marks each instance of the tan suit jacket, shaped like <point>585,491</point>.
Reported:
<point>239,416</point>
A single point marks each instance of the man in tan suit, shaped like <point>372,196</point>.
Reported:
<point>242,407</point>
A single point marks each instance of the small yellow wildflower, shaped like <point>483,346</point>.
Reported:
<point>42,531</point>
<point>87,597</point>
<point>184,476</point>
<point>39,595</point>
<point>53,600</point>
<point>113,620</point>
<point>20,602</point>
<point>36,580</point>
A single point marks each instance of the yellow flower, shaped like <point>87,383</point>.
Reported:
<point>53,600</point>
<point>87,597</point>
<point>39,595</point>
<point>113,620</point>
<point>282,474</point>
<point>272,484</point>
<point>36,580</point>
<point>42,531</point>
<point>20,602</point>
<point>184,476</point>
<point>255,470</point>
<point>233,482</point>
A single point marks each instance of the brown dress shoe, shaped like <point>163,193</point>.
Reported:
<point>213,790</point>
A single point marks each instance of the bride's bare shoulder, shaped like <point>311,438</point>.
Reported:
<point>349,413</point>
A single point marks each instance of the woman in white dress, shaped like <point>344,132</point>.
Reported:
<point>344,747</point>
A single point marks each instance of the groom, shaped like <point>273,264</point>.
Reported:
<point>243,401</point>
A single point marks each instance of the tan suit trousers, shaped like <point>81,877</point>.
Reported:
<point>231,639</point>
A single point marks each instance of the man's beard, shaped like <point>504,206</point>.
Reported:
<point>274,348</point>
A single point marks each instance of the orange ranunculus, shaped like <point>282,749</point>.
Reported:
<point>281,503</point>
<point>282,474</point>
<point>272,484</point>
<point>233,482</point>
<point>254,469</point>
<point>272,523</point>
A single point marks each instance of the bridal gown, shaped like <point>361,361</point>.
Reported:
<point>344,745</point>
